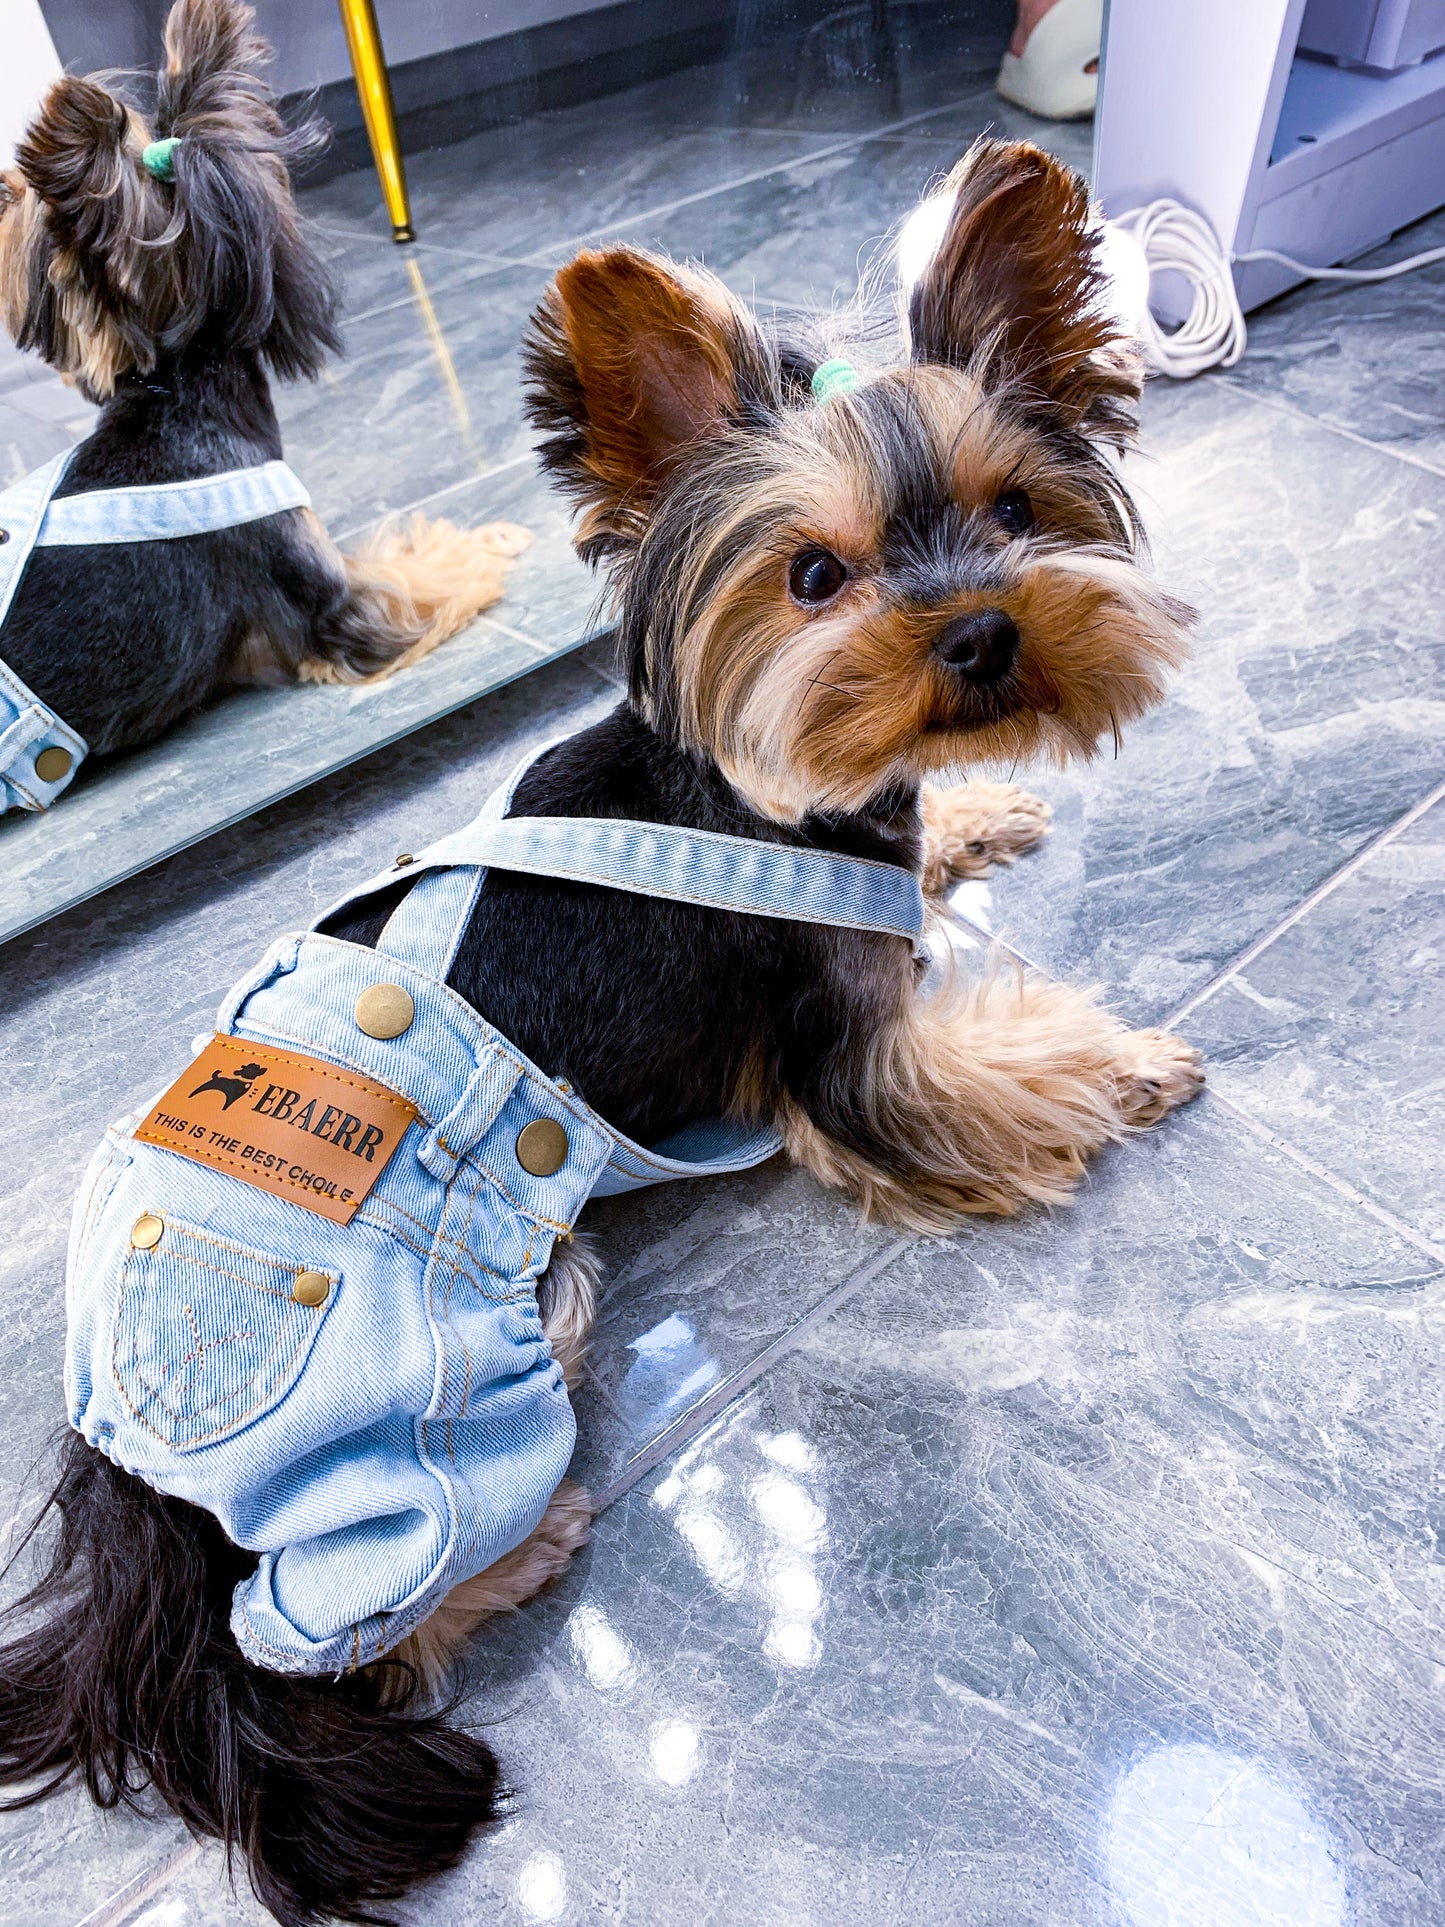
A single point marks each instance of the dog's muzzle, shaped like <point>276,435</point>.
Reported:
<point>981,646</point>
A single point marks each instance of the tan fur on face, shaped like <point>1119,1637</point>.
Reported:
<point>808,709</point>
<point>82,153</point>
<point>19,211</point>
<point>994,1095</point>
<point>91,348</point>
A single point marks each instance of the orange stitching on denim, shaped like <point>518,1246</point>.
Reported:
<point>437,1238</point>
<point>433,1237</point>
<point>308,1327</point>
<point>252,1284</point>
<point>189,1230</point>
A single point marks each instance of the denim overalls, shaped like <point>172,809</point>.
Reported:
<point>372,1406</point>
<point>39,753</point>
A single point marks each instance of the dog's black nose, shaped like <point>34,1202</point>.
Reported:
<point>981,645</point>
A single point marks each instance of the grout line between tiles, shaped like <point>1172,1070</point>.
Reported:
<point>1302,909</point>
<point>542,257</point>
<point>1342,1186</point>
<point>112,1911</point>
<point>736,1383</point>
<point>1330,426</point>
<point>544,649</point>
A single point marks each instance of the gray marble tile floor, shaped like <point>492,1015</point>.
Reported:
<point>1076,1571</point>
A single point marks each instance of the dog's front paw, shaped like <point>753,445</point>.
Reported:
<point>1158,1073</point>
<point>968,829</point>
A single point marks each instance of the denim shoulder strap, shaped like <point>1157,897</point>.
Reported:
<point>696,866</point>
<point>649,859</point>
<point>39,754</point>
<point>159,511</point>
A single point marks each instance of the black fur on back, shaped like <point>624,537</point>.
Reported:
<point>123,640</point>
<point>659,1013</point>
<point>129,1678</point>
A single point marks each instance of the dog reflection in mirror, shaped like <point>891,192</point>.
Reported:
<point>167,301</point>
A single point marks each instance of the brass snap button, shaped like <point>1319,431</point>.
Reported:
<point>542,1147</point>
<point>311,1288</point>
<point>401,862</point>
<point>145,1233</point>
<point>51,764</point>
<point>384,1010</point>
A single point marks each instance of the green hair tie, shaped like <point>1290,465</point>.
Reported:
<point>159,158</point>
<point>835,378</point>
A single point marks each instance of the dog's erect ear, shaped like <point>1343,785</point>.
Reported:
<point>100,281</point>
<point>631,362</point>
<point>72,152</point>
<point>1016,291</point>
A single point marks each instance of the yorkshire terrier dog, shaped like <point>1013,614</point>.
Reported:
<point>164,277</point>
<point>831,585</point>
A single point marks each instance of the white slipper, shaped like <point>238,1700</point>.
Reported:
<point>1048,77</point>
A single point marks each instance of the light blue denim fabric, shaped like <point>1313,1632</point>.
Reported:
<point>382,1447</point>
<point>31,519</point>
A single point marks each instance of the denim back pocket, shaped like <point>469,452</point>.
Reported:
<point>209,1334</point>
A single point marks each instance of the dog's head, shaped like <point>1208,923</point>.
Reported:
<point>108,265</point>
<point>933,569</point>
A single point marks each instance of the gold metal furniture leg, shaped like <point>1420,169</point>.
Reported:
<point>368,63</point>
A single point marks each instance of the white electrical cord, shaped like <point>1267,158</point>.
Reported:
<point>1346,274</point>
<point>1176,239</point>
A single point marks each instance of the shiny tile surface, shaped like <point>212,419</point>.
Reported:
<point>1058,1542</point>
<point>1309,718</point>
<point>1332,1035</point>
<point>1369,358</point>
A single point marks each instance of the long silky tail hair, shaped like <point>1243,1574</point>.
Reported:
<point>336,1795</point>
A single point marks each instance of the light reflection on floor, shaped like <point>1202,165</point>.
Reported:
<point>1197,1837</point>
<point>542,1887</point>
<point>670,1371</point>
<point>767,1549</point>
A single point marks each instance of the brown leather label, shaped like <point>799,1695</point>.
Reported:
<point>304,1129</point>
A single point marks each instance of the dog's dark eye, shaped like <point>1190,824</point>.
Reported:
<point>816,576</point>
<point>1014,511</point>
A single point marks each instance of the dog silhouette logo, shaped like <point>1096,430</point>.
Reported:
<point>231,1087</point>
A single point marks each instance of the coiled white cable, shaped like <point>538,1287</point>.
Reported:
<point>1175,239</point>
